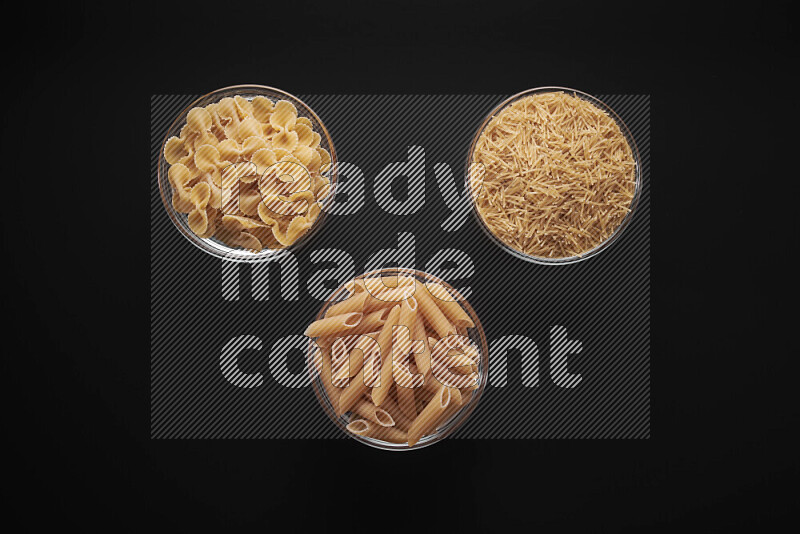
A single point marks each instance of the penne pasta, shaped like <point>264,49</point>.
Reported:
<point>449,306</point>
<point>401,420</point>
<point>397,356</point>
<point>406,318</point>
<point>338,324</point>
<point>428,417</point>
<point>358,386</point>
<point>348,359</point>
<point>428,308</point>
<point>369,411</point>
<point>422,359</point>
<point>354,303</point>
<point>373,321</point>
<point>364,428</point>
<point>406,401</point>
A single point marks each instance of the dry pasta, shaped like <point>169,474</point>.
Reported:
<point>554,175</point>
<point>228,172</point>
<point>395,366</point>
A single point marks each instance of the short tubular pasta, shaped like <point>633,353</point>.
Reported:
<point>411,370</point>
<point>432,313</point>
<point>247,173</point>
<point>428,417</point>
<point>362,427</point>
<point>449,306</point>
<point>337,324</point>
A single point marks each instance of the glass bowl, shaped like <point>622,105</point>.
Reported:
<point>443,430</point>
<point>212,245</point>
<point>636,194</point>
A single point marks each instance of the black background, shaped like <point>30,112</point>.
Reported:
<point>75,147</point>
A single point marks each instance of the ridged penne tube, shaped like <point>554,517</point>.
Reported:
<point>370,412</point>
<point>350,352</point>
<point>357,386</point>
<point>401,420</point>
<point>449,306</point>
<point>362,427</point>
<point>355,286</point>
<point>460,363</point>
<point>456,403</point>
<point>431,384</point>
<point>388,297</point>
<point>426,420</point>
<point>448,353</point>
<point>354,303</point>
<point>404,345</point>
<point>406,401</point>
<point>352,393</point>
<point>372,321</point>
<point>455,397</point>
<point>435,317</point>
<point>405,317</point>
<point>337,324</point>
<point>423,359</point>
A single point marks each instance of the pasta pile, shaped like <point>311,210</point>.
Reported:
<point>557,177</point>
<point>395,356</point>
<point>248,172</point>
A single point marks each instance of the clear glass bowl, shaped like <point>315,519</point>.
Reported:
<point>214,246</point>
<point>475,334</point>
<point>634,202</point>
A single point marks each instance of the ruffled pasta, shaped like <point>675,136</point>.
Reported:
<point>284,115</point>
<point>249,173</point>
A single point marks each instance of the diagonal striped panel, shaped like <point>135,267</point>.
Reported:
<point>200,308</point>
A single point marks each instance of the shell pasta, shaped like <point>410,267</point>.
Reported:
<point>395,358</point>
<point>248,173</point>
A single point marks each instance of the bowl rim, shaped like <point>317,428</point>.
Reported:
<point>450,426</point>
<point>240,255</point>
<point>638,180</point>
